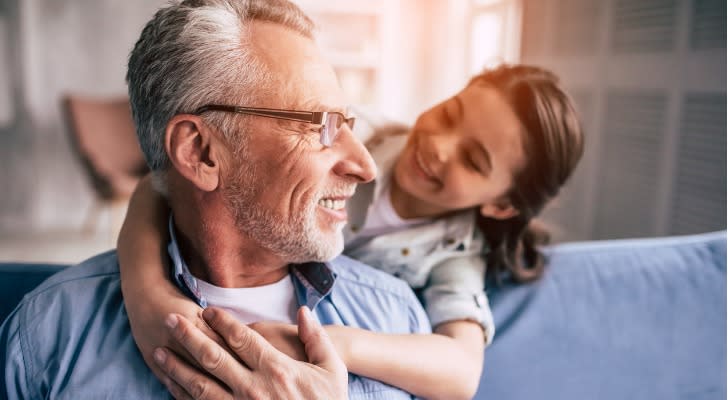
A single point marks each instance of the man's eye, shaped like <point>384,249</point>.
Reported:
<point>304,130</point>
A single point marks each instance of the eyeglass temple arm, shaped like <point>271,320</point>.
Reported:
<point>313,117</point>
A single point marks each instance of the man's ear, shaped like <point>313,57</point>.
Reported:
<point>499,209</point>
<point>193,150</point>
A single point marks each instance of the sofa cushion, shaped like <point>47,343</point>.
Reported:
<point>640,319</point>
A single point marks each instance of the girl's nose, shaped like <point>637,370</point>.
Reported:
<point>444,147</point>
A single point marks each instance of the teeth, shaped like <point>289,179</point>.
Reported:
<point>332,204</point>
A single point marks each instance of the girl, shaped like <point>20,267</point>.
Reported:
<point>454,197</point>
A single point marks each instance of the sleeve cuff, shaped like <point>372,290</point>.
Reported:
<point>471,307</point>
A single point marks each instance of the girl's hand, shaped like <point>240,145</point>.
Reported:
<point>284,337</point>
<point>147,319</point>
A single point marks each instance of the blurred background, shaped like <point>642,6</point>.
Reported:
<point>648,78</point>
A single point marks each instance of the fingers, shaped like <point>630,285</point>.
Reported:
<point>185,382</point>
<point>200,323</point>
<point>208,354</point>
<point>250,347</point>
<point>177,392</point>
<point>180,351</point>
<point>319,347</point>
<point>154,366</point>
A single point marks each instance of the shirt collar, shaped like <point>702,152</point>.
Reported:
<point>313,281</point>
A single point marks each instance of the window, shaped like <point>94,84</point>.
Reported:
<point>494,33</point>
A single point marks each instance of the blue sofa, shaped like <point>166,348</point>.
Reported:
<point>620,319</point>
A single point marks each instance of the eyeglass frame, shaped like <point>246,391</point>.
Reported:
<point>311,117</point>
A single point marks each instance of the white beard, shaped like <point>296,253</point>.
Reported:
<point>296,240</point>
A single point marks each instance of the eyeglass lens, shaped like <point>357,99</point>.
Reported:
<point>332,128</point>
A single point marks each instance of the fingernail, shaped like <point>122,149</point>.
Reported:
<point>208,313</point>
<point>159,356</point>
<point>171,321</point>
<point>307,314</point>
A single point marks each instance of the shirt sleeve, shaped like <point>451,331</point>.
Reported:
<point>455,290</point>
<point>14,379</point>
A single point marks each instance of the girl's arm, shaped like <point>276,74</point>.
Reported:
<point>444,365</point>
<point>144,264</point>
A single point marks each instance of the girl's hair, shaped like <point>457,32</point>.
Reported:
<point>553,145</point>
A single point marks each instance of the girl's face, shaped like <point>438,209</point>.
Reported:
<point>463,153</point>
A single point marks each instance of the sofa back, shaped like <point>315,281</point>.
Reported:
<point>620,319</point>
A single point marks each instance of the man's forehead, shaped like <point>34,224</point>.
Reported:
<point>313,104</point>
<point>316,87</point>
<point>304,97</point>
<point>302,77</point>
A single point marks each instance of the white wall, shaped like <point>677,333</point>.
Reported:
<point>433,54</point>
<point>649,77</point>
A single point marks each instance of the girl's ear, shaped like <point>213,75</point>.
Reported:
<point>499,209</point>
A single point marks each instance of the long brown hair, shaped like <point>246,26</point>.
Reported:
<point>553,145</point>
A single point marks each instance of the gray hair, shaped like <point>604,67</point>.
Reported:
<point>197,52</point>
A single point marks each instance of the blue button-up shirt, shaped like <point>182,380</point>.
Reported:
<point>70,337</point>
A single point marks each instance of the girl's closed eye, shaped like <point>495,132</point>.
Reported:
<point>446,117</point>
<point>471,163</point>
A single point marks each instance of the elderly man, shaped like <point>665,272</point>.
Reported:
<point>256,187</point>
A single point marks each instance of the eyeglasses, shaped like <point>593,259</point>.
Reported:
<point>330,121</point>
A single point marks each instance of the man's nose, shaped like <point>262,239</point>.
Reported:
<point>356,162</point>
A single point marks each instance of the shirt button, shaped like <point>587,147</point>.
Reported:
<point>354,228</point>
<point>405,251</point>
<point>450,241</point>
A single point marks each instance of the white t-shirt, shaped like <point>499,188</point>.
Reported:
<point>383,219</point>
<point>273,302</point>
